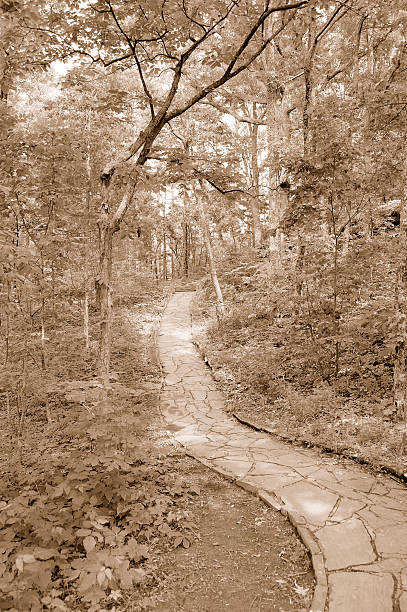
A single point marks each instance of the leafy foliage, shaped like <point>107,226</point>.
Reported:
<point>78,526</point>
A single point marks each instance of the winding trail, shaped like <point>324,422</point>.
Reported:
<point>353,522</point>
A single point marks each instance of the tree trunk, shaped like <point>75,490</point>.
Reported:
<point>400,364</point>
<point>278,135</point>
<point>256,224</point>
<point>220,307</point>
<point>185,263</point>
<point>308,90</point>
<point>299,266</point>
<point>86,319</point>
<point>103,291</point>
<point>108,224</point>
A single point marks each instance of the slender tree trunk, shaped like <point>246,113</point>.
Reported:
<point>308,90</point>
<point>103,286</point>
<point>43,336</point>
<point>165,266</point>
<point>108,224</point>
<point>278,134</point>
<point>165,263</point>
<point>254,162</point>
<point>220,307</point>
<point>400,359</point>
<point>86,319</point>
<point>7,338</point>
<point>336,315</point>
<point>232,231</point>
<point>88,200</point>
<point>299,266</point>
<point>186,251</point>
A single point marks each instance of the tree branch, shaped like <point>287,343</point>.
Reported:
<point>228,74</point>
<point>146,138</point>
<point>228,111</point>
<point>119,27</point>
<point>145,87</point>
<point>262,18</point>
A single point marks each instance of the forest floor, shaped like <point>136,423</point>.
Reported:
<point>266,368</point>
<point>113,515</point>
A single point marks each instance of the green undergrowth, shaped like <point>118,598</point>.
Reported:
<point>278,376</point>
<point>88,496</point>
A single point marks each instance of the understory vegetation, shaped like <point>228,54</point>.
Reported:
<point>286,367</point>
<point>86,503</point>
<point>100,511</point>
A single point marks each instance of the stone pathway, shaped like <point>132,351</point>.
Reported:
<point>353,522</point>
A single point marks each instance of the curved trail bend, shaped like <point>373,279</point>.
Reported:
<point>353,522</point>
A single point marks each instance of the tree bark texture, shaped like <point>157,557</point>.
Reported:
<point>108,225</point>
<point>220,307</point>
<point>400,358</point>
<point>254,146</point>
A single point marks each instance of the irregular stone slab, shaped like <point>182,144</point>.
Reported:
<point>295,460</point>
<point>374,522</point>
<point>312,502</point>
<point>346,509</point>
<point>388,513</point>
<point>267,467</point>
<point>241,442</point>
<point>199,394</point>
<point>187,437</point>
<point>273,484</point>
<point>323,475</point>
<point>379,489</point>
<point>347,492</point>
<point>206,451</point>
<point>360,592</point>
<point>265,443</point>
<point>236,468</point>
<point>214,396</point>
<point>392,540</point>
<point>173,413</point>
<point>386,566</point>
<point>307,471</point>
<point>388,502</point>
<point>221,439</point>
<point>172,379</point>
<point>346,544</point>
<point>216,404</point>
<point>226,428</point>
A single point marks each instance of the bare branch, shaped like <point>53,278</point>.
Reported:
<point>228,74</point>
<point>116,20</point>
<point>200,25</point>
<point>145,139</point>
<point>145,87</point>
<point>331,21</point>
<point>229,111</point>
<point>185,56</point>
<point>396,116</point>
<point>259,23</point>
<point>334,74</point>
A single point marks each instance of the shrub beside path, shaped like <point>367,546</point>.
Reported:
<point>353,522</point>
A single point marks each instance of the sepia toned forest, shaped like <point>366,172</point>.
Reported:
<point>253,148</point>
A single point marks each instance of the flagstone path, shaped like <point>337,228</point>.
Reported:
<point>353,522</point>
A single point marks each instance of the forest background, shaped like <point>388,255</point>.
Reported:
<point>258,147</point>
